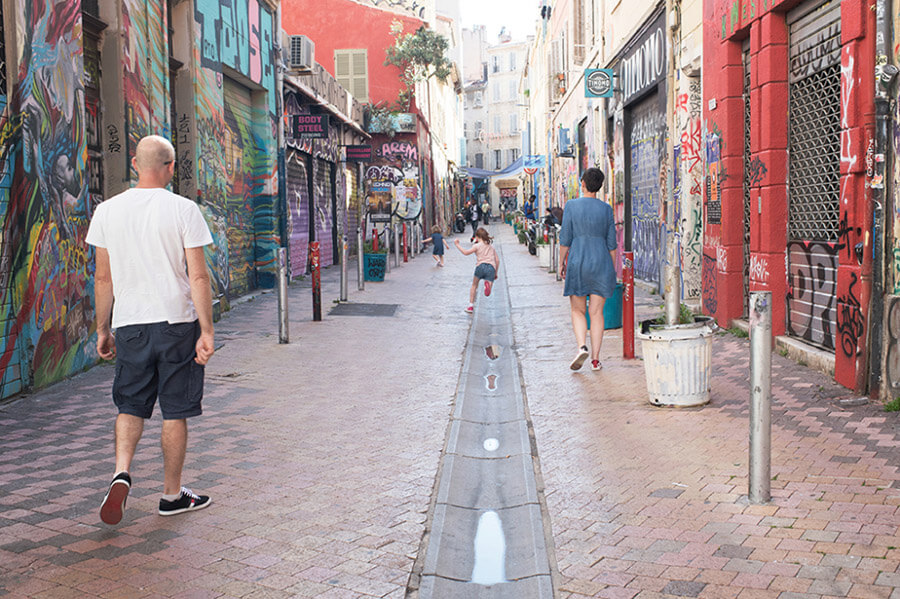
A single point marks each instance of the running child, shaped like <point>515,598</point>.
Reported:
<point>439,243</point>
<point>487,264</point>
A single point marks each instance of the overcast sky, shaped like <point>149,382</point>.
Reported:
<point>518,16</point>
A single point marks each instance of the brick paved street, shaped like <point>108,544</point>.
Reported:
<point>321,458</point>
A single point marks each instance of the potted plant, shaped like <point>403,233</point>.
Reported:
<point>543,251</point>
<point>374,262</point>
<point>677,359</point>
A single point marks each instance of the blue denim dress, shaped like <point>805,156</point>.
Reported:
<point>589,231</point>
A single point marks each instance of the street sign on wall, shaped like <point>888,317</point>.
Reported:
<point>309,126</point>
<point>359,153</point>
<point>598,83</point>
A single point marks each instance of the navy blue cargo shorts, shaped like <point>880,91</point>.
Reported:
<point>157,360</point>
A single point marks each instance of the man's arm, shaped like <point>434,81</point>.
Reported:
<point>201,295</point>
<point>103,301</point>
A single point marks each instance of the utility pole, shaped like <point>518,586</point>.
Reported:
<point>673,262</point>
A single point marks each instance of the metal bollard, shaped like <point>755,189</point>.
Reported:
<point>405,245</point>
<point>628,306</point>
<point>554,257</point>
<point>345,255</point>
<point>397,244</point>
<point>360,265</point>
<point>760,396</point>
<point>316,276</point>
<point>387,247</point>
<point>283,334</point>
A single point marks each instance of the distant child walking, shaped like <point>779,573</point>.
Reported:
<point>439,244</point>
<point>487,264</point>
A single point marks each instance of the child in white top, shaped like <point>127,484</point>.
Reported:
<point>487,264</point>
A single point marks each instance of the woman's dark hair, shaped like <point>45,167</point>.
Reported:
<point>532,198</point>
<point>593,179</point>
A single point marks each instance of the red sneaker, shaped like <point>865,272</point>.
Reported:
<point>487,288</point>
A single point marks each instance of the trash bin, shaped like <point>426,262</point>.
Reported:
<point>677,362</point>
<point>612,310</point>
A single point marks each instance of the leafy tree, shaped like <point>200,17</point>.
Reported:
<point>420,56</point>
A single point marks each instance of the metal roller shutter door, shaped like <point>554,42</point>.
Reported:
<point>239,189</point>
<point>814,171</point>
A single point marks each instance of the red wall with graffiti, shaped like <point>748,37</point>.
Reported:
<point>728,24</point>
<point>337,25</point>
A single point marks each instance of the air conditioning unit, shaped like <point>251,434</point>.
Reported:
<point>301,54</point>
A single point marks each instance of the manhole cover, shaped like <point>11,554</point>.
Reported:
<point>364,309</point>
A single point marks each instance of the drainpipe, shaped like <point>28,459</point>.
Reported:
<point>673,264</point>
<point>885,74</point>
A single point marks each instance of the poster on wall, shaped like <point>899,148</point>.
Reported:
<point>713,186</point>
<point>378,202</point>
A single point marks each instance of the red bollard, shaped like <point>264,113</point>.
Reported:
<point>316,275</point>
<point>374,239</point>
<point>405,244</point>
<point>628,306</point>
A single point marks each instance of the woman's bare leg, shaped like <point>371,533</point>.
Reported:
<point>595,308</point>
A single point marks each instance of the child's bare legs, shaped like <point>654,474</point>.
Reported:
<point>441,261</point>
<point>595,308</point>
<point>473,290</point>
<point>437,259</point>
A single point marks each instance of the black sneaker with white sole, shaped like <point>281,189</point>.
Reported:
<point>186,502</point>
<point>113,506</point>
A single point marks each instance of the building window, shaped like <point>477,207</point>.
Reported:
<point>498,160</point>
<point>479,160</point>
<point>478,100</point>
<point>513,124</point>
<point>513,155</point>
<point>478,127</point>
<point>496,91</point>
<point>512,90</point>
<point>512,62</point>
<point>351,71</point>
<point>495,64</point>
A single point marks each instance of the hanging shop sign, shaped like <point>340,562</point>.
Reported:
<point>309,126</point>
<point>598,83</point>
<point>644,65</point>
<point>358,153</point>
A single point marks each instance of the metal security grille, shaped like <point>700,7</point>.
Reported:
<point>747,158</point>
<point>815,122</point>
<point>814,147</point>
<point>815,156</point>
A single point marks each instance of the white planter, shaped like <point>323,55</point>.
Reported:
<point>543,254</point>
<point>677,363</point>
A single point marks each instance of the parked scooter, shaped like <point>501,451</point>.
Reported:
<point>459,222</point>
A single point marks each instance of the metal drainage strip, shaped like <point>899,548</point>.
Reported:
<point>487,535</point>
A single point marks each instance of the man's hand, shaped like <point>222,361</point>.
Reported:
<point>106,345</point>
<point>205,348</point>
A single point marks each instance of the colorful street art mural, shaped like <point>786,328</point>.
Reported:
<point>393,176</point>
<point>45,267</point>
<point>232,143</point>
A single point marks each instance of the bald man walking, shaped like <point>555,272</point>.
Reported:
<point>149,251</point>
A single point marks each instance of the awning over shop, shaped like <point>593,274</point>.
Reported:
<point>513,169</point>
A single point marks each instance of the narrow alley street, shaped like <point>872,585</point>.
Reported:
<point>361,459</point>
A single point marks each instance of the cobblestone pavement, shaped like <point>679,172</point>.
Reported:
<point>321,457</point>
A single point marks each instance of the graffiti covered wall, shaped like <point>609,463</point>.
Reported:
<point>45,267</point>
<point>228,144</point>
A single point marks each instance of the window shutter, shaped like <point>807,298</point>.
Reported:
<point>360,89</point>
<point>351,71</point>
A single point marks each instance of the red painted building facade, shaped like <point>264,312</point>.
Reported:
<point>789,113</point>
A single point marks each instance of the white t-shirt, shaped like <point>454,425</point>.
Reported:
<point>146,232</point>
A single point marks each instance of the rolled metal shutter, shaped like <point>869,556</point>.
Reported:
<point>648,146</point>
<point>323,201</point>
<point>239,189</point>
<point>297,190</point>
<point>814,170</point>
